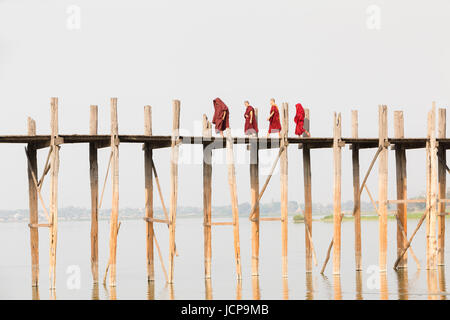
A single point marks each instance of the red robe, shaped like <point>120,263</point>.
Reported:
<point>220,122</point>
<point>250,128</point>
<point>299,119</point>
<point>275,125</point>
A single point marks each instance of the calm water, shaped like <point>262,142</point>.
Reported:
<point>189,283</point>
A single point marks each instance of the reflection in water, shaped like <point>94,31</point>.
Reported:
<point>337,287</point>
<point>359,295</point>
<point>111,294</point>
<point>171,291</point>
<point>95,292</point>
<point>208,289</point>
<point>239,290</point>
<point>403,284</point>
<point>285,289</point>
<point>151,290</point>
<point>35,293</point>
<point>256,290</point>
<point>432,282</point>
<point>309,286</point>
<point>53,294</point>
<point>384,292</point>
<point>442,287</point>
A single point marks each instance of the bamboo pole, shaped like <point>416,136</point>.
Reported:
<point>400,160</point>
<point>284,189</point>
<point>356,195</point>
<point>115,193</point>
<point>337,194</point>
<point>234,203</point>
<point>93,174</point>
<point>308,203</point>
<point>254,185</point>
<point>54,192</point>
<point>442,185</point>
<point>382,186</point>
<point>148,183</point>
<point>33,204</point>
<point>173,185</point>
<point>432,185</point>
<point>207,176</point>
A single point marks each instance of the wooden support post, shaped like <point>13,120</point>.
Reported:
<point>308,201</point>
<point>284,188</point>
<point>93,174</point>
<point>234,203</point>
<point>115,193</point>
<point>33,203</point>
<point>356,194</point>
<point>207,176</point>
<point>54,192</point>
<point>431,190</point>
<point>337,133</point>
<point>173,186</point>
<point>400,161</point>
<point>442,185</point>
<point>382,185</point>
<point>254,185</point>
<point>148,160</point>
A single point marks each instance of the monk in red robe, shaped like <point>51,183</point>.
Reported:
<point>299,121</point>
<point>274,119</point>
<point>251,126</point>
<point>221,116</point>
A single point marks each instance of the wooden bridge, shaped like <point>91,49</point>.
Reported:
<point>434,144</point>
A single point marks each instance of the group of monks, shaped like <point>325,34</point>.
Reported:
<point>221,119</point>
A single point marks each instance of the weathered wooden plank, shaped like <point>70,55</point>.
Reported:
<point>337,158</point>
<point>442,186</point>
<point>382,186</point>
<point>254,186</point>
<point>356,195</point>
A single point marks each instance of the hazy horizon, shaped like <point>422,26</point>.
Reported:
<point>330,56</point>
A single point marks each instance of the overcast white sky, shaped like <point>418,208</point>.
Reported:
<point>328,55</point>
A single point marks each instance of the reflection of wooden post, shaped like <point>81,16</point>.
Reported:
<point>256,290</point>
<point>400,160</point>
<point>207,175</point>
<point>254,185</point>
<point>173,185</point>
<point>115,194</point>
<point>402,279</point>
<point>431,190</point>
<point>149,231</point>
<point>208,289</point>
<point>234,202</point>
<point>356,195</point>
<point>382,186</point>
<point>309,286</point>
<point>442,176</point>
<point>54,191</point>
<point>308,200</point>
<point>33,203</point>
<point>359,290</point>
<point>284,189</point>
<point>93,175</point>
<point>337,194</point>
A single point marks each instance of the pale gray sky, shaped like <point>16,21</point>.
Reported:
<point>325,54</point>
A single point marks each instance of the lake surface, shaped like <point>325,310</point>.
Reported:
<point>189,283</point>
